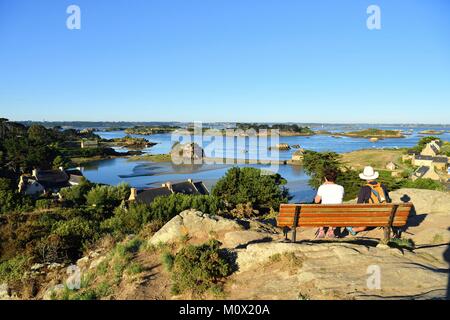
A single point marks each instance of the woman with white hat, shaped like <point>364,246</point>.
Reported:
<point>372,192</point>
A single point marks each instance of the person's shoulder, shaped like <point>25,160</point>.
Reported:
<point>338,186</point>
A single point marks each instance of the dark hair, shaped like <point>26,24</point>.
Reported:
<point>330,175</point>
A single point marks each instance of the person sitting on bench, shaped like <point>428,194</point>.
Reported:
<point>329,193</point>
<point>372,192</point>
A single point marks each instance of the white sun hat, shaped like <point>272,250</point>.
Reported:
<point>369,174</point>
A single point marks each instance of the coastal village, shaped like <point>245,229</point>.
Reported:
<point>118,235</point>
<point>428,164</point>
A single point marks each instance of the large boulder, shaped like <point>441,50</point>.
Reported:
<point>196,225</point>
<point>237,239</point>
<point>425,201</point>
<point>335,271</point>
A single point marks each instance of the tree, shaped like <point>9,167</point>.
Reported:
<point>315,164</point>
<point>39,135</point>
<point>249,185</point>
<point>8,197</point>
<point>61,161</point>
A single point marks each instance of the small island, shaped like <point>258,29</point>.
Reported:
<point>432,132</point>
<point>131,143</point>
<point>372,134</point>
<point>148,130</point>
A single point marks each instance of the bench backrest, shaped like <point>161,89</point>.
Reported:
<point>344,215</point>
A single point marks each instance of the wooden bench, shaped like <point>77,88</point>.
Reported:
<point>344,215</point>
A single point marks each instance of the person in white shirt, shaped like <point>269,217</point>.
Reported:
<point>329,193</point>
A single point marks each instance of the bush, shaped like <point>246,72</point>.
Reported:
<point>165,208</point>
<point>249,185</point>
<point>107,196</point>
<point>315,164</point>
<point>76,195</point>
<point>13,269</point>
<point>44,203</point>
<point>9,198</point>
<point>197,269</point>
<point>126,221</point>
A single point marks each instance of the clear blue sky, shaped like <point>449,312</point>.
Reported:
<point>226,60</point>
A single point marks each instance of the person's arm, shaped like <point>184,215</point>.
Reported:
<point>386,194</point>
<point>362,196</point>
<point>318,198</point>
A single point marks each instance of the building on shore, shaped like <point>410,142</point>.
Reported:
<point>85,143</point>
<point>187,153</point>
<point>48,181</point>
<point>391,166</point>
<point>425,172</point>
<point>298,155</point>
<point>186,187</point>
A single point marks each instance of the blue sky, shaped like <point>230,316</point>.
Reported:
<point>226,60</point>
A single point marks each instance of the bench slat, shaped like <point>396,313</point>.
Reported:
<point>343,214</point>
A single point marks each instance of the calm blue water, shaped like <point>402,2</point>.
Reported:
<point>143,174</point>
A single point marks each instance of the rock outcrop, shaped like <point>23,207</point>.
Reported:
<point>336,271</point>
<point>270,268</point>
<point>194,224</point>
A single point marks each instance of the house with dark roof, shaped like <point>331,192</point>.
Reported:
<point>186,187</point>
<point>425,172</point>
<point>50,181</point>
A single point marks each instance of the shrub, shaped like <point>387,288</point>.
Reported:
<point>402,243</point>
<point>126,221</point>
<point>428,184</point>
<point>10,200</point>
<point>44,203</point>
<point>107,196</point>
<point>165,208</point>
<point>13,269</point>
<point>315,164</point>
<point>197,269</point>
<point>76,195</point>
<point>249,185</point>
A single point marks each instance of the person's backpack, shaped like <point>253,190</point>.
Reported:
<point>377,194</point>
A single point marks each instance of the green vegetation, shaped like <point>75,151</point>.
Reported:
<point>423,142</point>
<point>198,269</point>
<point>315,164</point>
<point>147,130</point>
<point>402,243</point>
<point>251,187</point>
<point>13,269</point>
<point>130,142</point>
<point>152,158</point>
<point>427,184</point>
<point>293,129</point>
<point>372,133</point>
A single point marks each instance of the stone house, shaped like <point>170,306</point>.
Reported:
<point>425,172</point>
<point>85,143</point>
<point>391,166</point>
<point>186,187</point>
<point>298,155</point>
<point>48,181</point>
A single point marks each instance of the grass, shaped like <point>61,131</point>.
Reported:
<point>135,268</point>
<point>375,158</point>
<point>167,260</point>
